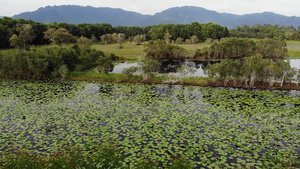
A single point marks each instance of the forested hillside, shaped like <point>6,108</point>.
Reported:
<point>178,15</point>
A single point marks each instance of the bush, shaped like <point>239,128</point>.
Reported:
<point>159,50</point>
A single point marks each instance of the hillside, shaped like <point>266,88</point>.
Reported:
<point>78,14</point>
<point>189,14</point>
<point>178,15</point>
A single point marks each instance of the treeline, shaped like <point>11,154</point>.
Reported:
<point>10,27</point>
<point>51,62</point>
<point>266,31</point>
<point>243,47</point>
<point>253,70</point>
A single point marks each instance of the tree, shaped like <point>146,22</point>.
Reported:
<point>94,39</point>
<point>103,38</point>
<point>137,40</point>
<point>228,70</point>
<point>185,69</point>
<point>194,39</point>
<point>271,70</point>
<point>167,37</point>
<point>105,64</point>
<point>60,36</point>
<point>298,76</point>
<point>253,67</point>
<point>49,35</point>
<point>148,67</point>
<point>63,71</point>
<point>130,71</point>
<point>284,71</point>
<point>15,41</point>
<point>179,40</point>
<point>109,38</point>
<point>84,42</point>
<point>26,36</point>
<point>120,40</point>
<point>159,50</point>
<point>213,71</point>
<point>272,48</point>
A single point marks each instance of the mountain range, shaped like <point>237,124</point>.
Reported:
<point>177,15</point>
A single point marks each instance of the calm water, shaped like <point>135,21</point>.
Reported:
<point>171,66</point>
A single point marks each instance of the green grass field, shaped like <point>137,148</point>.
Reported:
<point>130,52</point>
<point>135,52</point>
<point>293,49</point>
<point>127,52</point>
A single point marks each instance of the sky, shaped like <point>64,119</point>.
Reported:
<point>284,7</point>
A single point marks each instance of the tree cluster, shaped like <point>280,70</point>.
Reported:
<point>266,31</point>
<point>244,47</point>
<point>195,29</point>
<point>252,70</point>
<point>160,50</point>
<point>10,27</point>
<point>51,62</point>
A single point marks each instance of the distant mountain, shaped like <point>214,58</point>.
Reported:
<point>267,18</point>
<point>177,15</point>
<point>79,14</point>
<point>190,14</point>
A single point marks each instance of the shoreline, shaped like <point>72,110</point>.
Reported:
<point>204,83</point>
<point>195,81</point>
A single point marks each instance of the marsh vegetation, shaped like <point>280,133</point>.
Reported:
<point>153,125</point>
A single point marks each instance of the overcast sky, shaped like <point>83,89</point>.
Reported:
<point>284,7</point>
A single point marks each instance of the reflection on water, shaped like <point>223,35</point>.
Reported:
<point>172,66</point>
<point>295,63</point>
<point>120,67</point>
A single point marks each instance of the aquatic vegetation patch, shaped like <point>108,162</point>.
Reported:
<point>152,125</point>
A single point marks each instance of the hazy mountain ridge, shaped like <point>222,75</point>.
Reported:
<point>78,14</point>
<point>177,15</point>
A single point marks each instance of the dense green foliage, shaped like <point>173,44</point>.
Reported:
<point>160,50</point>
<point>244,47</point>
<point>266,31</point>
<point>51,62</point>
<point>252,69</point>
<point>202,31</point>
<point>146,125</point>
<point>55,33</point>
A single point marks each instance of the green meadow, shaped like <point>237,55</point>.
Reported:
<point>293,49</point>
<point>131,52</point>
